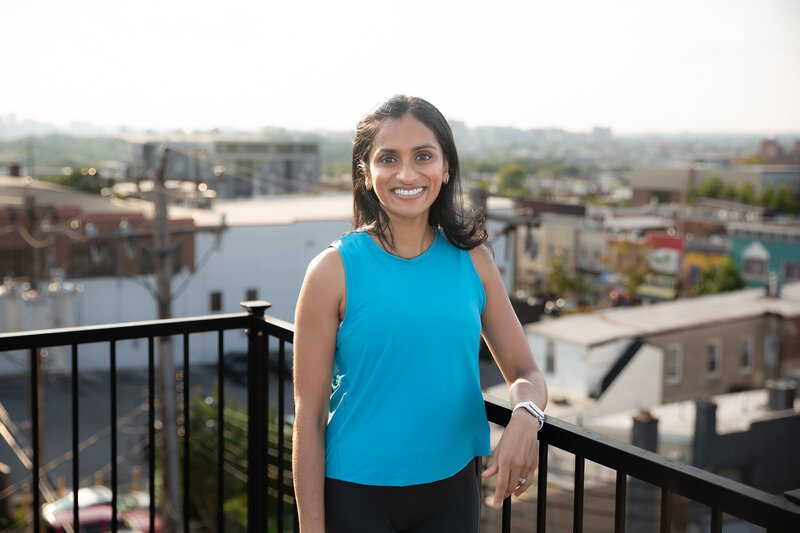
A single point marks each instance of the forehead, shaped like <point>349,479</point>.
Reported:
<point>406,132</point>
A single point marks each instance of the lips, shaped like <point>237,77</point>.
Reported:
<point>408,192</point>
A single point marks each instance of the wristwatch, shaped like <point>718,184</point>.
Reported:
<point>533,409</point>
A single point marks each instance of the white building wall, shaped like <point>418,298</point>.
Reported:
<point>638,386</point>
<point>271,259</point>
<point>601,358</point>
<point>569,376</point>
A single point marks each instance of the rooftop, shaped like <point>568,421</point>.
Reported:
<point>606,325</point>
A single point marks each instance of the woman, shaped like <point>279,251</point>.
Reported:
<point>389,417</point>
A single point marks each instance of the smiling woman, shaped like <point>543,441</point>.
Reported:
<point>389,416</point>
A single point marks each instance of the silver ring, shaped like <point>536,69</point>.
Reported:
<point>522,480</point>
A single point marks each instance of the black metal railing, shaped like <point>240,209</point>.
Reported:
<point>268,450</point>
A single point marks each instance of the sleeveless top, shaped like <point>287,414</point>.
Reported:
<point>406,406</point>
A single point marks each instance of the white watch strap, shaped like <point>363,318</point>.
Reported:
<point>533,409</point>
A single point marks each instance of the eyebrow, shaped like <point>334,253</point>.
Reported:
<point>414,149</point>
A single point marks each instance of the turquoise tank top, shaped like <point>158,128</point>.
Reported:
<point>406,404</point>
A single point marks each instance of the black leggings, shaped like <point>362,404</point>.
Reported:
<point>452,504</point>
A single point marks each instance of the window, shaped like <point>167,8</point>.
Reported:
<point>216,301</point>
<point>714,358</point>
<point>673,363</point>
<point>746,354</point>
<point>550,358</point>
<point>754,267</point>
<point>251,294</point>
<point>791,270</point>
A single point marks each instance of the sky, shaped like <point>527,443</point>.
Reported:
<point>722,66</point>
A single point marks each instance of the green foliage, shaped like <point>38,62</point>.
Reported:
<point>661,197</point>
<point>203,461</point>
<point>559,281</point>
<point>691,195</point>
<point>747,194</point>
<point>78,179</point>
<point>780,201</point>
<point>711,188</point>
<point>511,180</point>
<point>722,278</point>
<point>61,150</point>
<point>767,196</point>
<point>784,201</point>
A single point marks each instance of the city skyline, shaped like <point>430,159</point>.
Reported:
<point>714,67</point>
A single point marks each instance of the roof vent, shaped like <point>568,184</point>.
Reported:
<point>781,393</point>
<point>773,286</point>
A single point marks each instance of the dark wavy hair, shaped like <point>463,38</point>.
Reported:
<point>461,227</point>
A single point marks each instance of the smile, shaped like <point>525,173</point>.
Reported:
<point>408,192</point>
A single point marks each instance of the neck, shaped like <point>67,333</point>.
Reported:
<point>409,241</point>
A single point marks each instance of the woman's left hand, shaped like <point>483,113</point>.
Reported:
<point>515,458</point>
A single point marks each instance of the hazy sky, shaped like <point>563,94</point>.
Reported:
<point>636,66</point>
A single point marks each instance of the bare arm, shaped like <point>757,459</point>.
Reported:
<point>516,455</point>
<point>319,309</point>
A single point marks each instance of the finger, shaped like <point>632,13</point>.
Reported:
<point>501,491</point>
<point>522,487</point>
<point>490,470</point>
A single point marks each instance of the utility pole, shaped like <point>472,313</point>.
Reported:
<point>163,255</point>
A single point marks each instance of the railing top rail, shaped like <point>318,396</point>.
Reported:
<point>122,331</point>
<point>751,504</point>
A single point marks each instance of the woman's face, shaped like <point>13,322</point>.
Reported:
<point>406,168</point>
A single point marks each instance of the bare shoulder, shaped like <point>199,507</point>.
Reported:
<point>484,262</point>
<point>326,266</point>
<point>324,285</point>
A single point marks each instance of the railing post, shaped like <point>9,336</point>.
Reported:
<point>256,418</point>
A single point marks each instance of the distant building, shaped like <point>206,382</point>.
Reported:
<point>670,351</point>
<point>700,255</point>
<point>761,249</point>
<point>670,185</point>
<point>81,235</point>
<point>772,152</point>
<point>232,165</point>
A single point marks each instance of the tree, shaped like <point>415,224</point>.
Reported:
<point>711,188</point>
<point>747,194</point>
<point>716,279</point>
<point>511,180</point>
<point>767,196</point>
<point>784,201</point>
<point>559,282</point>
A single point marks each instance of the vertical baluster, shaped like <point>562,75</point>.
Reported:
<point>151,428</point>
<point>541,497</point>
<point>280,419</point>
<point>186,408</point>
<point>666,510</point>
<point>114,489</point>
<point>506,513</point>
<point>75,440</point>
<point>577,506</point>
<point>220,431</point>
<point>716,520</point>
<point>37,504</point>
<point>620,501</point>
<point>257,430</point>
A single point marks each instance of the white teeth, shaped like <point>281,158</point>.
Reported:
<point>408,192</point>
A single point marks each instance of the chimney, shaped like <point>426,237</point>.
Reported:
<point>781,393</point>
<point>643,498</point>
<point>13,169</point>
<point>705,433</point>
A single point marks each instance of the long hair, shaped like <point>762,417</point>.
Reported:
<point>462,228</point>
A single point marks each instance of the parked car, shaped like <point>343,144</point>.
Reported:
<point>95,512</point>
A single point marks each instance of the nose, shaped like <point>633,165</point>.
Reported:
<point>406,172</point>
